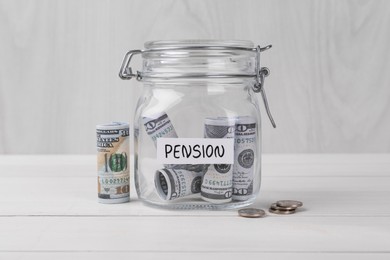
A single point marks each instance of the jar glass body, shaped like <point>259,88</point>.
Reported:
<point>187,103</point>
<point>202,91</point>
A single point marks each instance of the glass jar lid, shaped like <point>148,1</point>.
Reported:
<point>198,59</point>
<point>195,59</point>
<point>200,43</point>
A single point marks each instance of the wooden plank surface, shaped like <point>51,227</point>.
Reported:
<point>330,185</point>
<point>59,255</point>
<point>197,234</point>
<point>354,165</point>
<point>48,208</point>
<point>323,196</point>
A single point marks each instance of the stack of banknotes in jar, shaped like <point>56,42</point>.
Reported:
<point>215,183</point>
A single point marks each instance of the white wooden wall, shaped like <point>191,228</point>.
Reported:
<point>329,88</point>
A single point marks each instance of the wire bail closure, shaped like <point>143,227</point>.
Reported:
<point>126,72</point>
<point>261,73</point>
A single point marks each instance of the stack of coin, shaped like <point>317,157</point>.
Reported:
<point>285,207</point>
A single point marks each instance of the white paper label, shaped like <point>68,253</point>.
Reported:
<point>195,150</point>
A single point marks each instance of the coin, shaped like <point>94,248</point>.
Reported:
<point>281,212</point>
<point>275,206</point>
<point>289,203</point>
<point>251,213</point>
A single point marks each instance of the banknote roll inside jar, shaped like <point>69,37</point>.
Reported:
<point>197,124</point>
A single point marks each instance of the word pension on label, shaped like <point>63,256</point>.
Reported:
<point>195,150</point>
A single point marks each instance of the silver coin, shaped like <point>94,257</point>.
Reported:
<point>281,212</point>
<point>275,206</point>
<point>289,203</point>
<point>251,213</point>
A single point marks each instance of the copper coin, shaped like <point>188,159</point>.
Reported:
<point>251,213</point>
<point>289,203</point>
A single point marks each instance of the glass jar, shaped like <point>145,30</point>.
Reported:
<point>197,125</point>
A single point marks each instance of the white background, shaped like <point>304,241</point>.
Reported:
<point>329,88</point>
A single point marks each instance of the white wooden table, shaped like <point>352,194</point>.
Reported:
<point>49,210</point>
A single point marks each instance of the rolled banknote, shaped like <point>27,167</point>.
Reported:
<point>217,182</point>
<point>160,126</point>
<point>244,157</point>
<point>112,162</point>
<point>177,183</point>
<point>202,168</point>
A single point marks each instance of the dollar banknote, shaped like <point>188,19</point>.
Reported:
<point>112,162</point>
<point>217,183</point>
<point>172,184</point>
<point>160,126</point>
<point>244,157</point>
